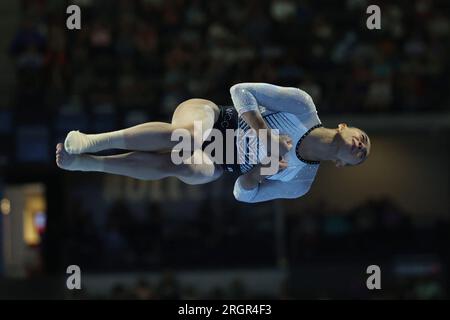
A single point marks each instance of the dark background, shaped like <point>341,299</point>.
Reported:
<point>134,61</point>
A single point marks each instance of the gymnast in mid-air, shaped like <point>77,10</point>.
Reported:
<point>285,117</point>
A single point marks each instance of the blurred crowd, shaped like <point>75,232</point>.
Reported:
<point>149,55</point>
<point>376,228</point>
<point>215,235</point>
<point>237,236</point>
<point>168,287</point>
<point>415,252</point>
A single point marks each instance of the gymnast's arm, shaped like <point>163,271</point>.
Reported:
<point>249,96</point>
<point>248,189</point>
<point>249,182</point>
<point>254,187</point>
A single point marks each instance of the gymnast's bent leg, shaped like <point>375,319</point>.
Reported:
<point>151,136</point>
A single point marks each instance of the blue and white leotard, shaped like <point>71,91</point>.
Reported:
<point>292,112</point>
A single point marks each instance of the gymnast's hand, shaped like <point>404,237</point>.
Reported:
<point>256,176</point>
<point>282,164</point>
<point>284,143</point>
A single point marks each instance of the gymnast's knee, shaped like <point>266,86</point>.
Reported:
<point>199,174</point>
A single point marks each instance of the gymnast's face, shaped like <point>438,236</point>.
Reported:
<point>353,146</point>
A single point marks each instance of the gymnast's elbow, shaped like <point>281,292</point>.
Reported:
<point>244,196</point>
<point>240,197</point>
<point>247,198</point>
<point>234,90</point>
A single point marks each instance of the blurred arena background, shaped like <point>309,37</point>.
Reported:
<point>134,61</point>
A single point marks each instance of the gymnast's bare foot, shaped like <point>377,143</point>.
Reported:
<point>64,160</point>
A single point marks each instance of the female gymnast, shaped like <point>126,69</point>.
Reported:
<point>286,115</point>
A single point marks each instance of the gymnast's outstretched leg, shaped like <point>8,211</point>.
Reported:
<point>143,165</point>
